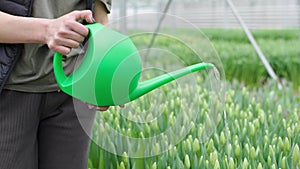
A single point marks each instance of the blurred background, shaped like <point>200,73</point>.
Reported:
<point>274,24</point>
<point>243,115</point>
<point>258,14</point>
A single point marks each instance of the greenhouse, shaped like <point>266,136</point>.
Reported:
<point>243,113</point>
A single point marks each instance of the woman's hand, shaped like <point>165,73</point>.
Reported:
<point>66,32</point>
<point>101,108</point>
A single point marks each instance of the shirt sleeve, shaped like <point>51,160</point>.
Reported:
<point>107,4</point>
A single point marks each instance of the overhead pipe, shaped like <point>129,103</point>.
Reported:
<point>254,44</point>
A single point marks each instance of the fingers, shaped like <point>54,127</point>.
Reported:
<point>66,32</point>
<point>85,14</point>
<point>73,35</point>
<point>61,49</point>
<point>101,108</point>
<point>78,28</point>
<point>98,108</point>
<point>63,45</point>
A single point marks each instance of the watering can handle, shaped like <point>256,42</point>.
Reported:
<point>61,78</point>
<point>59,72</point>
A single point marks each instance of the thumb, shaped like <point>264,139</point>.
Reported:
<point>85,14</point>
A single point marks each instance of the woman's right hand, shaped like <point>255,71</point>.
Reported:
<point>66,32</point>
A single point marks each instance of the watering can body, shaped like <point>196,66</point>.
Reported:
<point>110,71</point>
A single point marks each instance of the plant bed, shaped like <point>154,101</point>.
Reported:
<point>261,130</point>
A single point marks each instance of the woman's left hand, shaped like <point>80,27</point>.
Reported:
<point>101,108</point>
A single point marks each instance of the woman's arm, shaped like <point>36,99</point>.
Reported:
<point>100,14</point>
<point>16,29</point>
<point>59,34</point>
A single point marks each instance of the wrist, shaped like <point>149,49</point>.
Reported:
<point>43,31</point>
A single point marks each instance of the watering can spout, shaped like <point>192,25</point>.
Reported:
<point>151,84</point>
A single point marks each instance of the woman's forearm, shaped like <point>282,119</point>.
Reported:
<point>15,29</point>
<point>60,34</point>
<point>100,13</point>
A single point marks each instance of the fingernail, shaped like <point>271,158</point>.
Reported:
<point>93,19</point>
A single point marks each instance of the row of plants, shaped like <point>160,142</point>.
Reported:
<point>241,62</point>
<point>238,35</point>
<point>239,59</point>
<point>183,124</point>
<point>259,129</point>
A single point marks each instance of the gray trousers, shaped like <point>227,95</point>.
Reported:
<point>42,131</point>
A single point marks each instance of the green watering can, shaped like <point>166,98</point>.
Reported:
<point>110,72</point>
